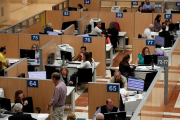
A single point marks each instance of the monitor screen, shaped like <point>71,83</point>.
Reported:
<point>67,55</point>
<point>171,27</point>
<point>53,33</point>
<point>115,116</point>
<point>29,54</point>
<point>5,103</point>
<point>148,59</point>
<point>37,74</point>
<point>135,84</point>
<point>159,41</point>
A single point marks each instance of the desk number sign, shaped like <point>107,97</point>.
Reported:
<point>119,15</point>
<point>87,1</point>
<point>35,37</point>
<point>134,3</point>
<point>167,16</point>
<point>32,83</point>
<point>66,13</point>
<point>162,61</point>
<point>87,40</point>
<point>112,88</point>
<point>150,42</point>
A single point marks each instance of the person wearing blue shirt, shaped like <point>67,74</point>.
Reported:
<point>140,59</point>
<point>148,6</point>
<point>36,48</point>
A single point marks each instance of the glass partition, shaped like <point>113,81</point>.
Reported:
<point>61,5</point>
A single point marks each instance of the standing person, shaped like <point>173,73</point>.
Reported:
<point>113,34</point>
<point>148,6</point>
<point>58,99</point>
<point>36,48</point>
<point>3,57</point>
<point>157,23</point>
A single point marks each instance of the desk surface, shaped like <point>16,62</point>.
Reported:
<point>34,115</point>
<point>146,68</point>
<point>121,34</point>
<point>69,90</point>
<point>108,47</point>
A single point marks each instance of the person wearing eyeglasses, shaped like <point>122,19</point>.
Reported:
<point>140,59</point>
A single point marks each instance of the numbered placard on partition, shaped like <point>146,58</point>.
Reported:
<point>112,88</point>
<point>178,4</point>
<point>66,13</point>
<point>167,16</point>
<point>119,15</point>
<point>87,40</point>
<point>162,61</point>
<point>150,42</point>
<point>87,2</point>
<point>158,5</point>
<point>35,37</point>
<point>32,83</point>
<point>134,3</point>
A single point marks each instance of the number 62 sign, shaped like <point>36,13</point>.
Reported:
<point>32,83</point>
<point>112,88</point>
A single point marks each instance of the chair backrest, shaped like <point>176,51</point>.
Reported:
<point>29,108</point>
<point>85,75</point>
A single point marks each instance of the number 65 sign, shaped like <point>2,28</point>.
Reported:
<point>112,88</point>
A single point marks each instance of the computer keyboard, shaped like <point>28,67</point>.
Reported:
<point>9,112</point>
<point>31,60</point>
<point>144,65</point>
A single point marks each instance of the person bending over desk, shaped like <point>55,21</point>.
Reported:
<point>118,76</point>
<point>108,108</point>
<point>97,30</point>
<point>19,113</point>
<point>3,57</point>
<point>64,76</point>
<point>104,34</point>
<point>78,56</point>
<point>140,59</point>
<point>125,68</point>
<point>148,6</point>
<point>48,28</point>
<point>148,30</point>
<point>20,98</point>
<point>36,48</point>
<point>157,23</point>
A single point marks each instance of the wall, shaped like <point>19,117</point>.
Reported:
<point>38,1</point>
<point>5,5</point>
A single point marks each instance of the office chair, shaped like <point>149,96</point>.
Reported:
<point>139,36</point>
<point>112,72</point>
<point>84,75</point>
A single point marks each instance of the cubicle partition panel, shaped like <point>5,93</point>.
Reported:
<point>91,14</point>
<point>16,69</point>
<point>137,46</point>
<point>98,94</point>
<point>34,29</point>
<point>93,6</point>
<point>55,18</point>
<point>11,42</point>
<point>74,3</point>
<point>11,85</point>
<point>175,18</point>
<point>82,23</point>
<point>44,39</point>
<point>142,21</point>
<point>73,15</point>
<point>98,49</point>
<point>70,30</point>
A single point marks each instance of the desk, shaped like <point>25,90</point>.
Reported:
<point>73,68</point>
<point>62,32</point>
<point>70,97</point>
<point>122,35</point>
<point>109,54</point>
<point>34,115</point>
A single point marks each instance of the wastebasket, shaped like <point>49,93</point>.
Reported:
<point>127,40</point>
<point>24,2</point>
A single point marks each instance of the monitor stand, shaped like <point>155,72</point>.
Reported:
<point>2,115</point>
<point>64,64</point>
<point>152,64</point>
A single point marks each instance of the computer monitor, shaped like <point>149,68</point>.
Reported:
<point>102,25</point>
<point>176,26</point>
<point>66,55</point>
<point>72,9</point>
<point>67,24</point>
<point>5,103</point>
<point>148,80</point>
<point>115,116</point>
<point>171,27</point>
<point>135,84</point>
<point>37,74</point>
<point>29,54</point>
<point>159,41</point>
<point>148,59</point>
<point>53,33</point>
<point>50,70</point>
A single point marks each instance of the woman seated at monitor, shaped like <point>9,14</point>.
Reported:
<point>48,28</point>
<point>167,22</point>
<point>64,76</point>
<point>140,59</point>
<point>80,8</point>
<point>125,68</point>
<point>104,34</point>
<point>140,8</point>
<point>20,98</point>
<point>36,48</point>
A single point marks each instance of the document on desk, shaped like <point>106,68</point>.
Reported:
<point>78,62</point>
<point>141,67</point>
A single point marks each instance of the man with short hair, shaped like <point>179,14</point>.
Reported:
<point>97,30</point>
<point>148,30</point>
<point>148,6</point>
<point>108,108</point>
<point>2,57</point>
<point>79,55</point>
<point>118,76</point>
<point>19,114</point>
<point>99,116</point>
<point>58,99</point>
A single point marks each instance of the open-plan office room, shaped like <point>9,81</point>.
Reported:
<point>92,59</point>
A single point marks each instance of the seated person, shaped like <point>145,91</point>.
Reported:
<point>148,31</point>
<point>99,116</point>
<point>124,10</point>
<point>140,8</point>
<point>20,98</point>
<point>3,57</point>
<point>71,116</point>
<point>78,56</point>
<point>144,36</point>
<point>125,68</point>
<point>118,76</point>
<point>140,59</point>
<point>148,6</point>
<point>109,107</point>
<point>167,22</point>
<point>48,28</point>
<point>36,48</point>
<point>64,76</point>
<point>164,33</point>
<point>123,91</point>
<point>97,30</point>
<point>80,8</point>
<point>104,34</point>
<point>19,113</point>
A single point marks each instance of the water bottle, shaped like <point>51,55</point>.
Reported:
<point>37,60</point>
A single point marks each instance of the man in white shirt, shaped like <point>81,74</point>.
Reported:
<point>97,30</point>
<point>148,30</point>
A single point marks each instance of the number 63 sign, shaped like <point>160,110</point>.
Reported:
<point>112,88</point>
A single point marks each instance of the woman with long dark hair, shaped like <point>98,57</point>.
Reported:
<point>125,68</point>
<point>157,23</point>
<point>140,59</point>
